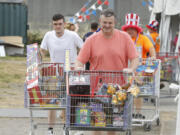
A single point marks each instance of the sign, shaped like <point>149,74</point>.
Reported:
<point>2,51</point>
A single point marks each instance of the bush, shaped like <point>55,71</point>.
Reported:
<point>34,37</point>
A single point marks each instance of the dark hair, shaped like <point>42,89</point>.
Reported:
<point>108,13</point>
<point>58,17</point>
<point>94,25</point>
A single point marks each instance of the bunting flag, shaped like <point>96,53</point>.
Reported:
<point>77,14</point>
<point>83,9</point>
<point>150,3</point>
<point>144,3</point>
<point>94,12</point>
<point>88,17</point>
<point>100,8</point>
<point>150,8</point>
<point>80,17</point>
<point>106,2</point>
<point>99,2</point>
<point>93,7</point>
<point>72,20</point>
<point>87,12</point>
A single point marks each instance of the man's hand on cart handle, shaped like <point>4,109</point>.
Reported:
<point>128,70</point>
<point>79,65</point>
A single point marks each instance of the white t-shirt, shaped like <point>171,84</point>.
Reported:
<point>57,45</point>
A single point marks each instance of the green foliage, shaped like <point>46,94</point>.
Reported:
<point>34,37</point>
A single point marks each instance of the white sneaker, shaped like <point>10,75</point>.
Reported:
<point>79,133</point>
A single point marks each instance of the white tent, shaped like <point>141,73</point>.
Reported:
<point>170,21</point>
<point>170,24</point>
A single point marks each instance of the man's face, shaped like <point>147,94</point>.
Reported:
<point>107,24</point>
<point>132,32</point>
<point>58,26</point>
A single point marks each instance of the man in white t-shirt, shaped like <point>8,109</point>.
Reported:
<point>56,42</point>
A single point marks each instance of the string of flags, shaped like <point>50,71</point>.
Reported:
<point>90,8</point>
<point>87,10</point>
<point>149,3</point>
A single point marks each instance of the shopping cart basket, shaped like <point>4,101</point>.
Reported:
<point>146,105</point>
<point>169,71</point>
<point>93,105</point>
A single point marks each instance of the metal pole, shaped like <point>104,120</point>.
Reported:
<point>111,4</point>
<point>178,116</point>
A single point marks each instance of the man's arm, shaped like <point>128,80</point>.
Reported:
<point>43,52</point>
<point>133,65</point>
<point>152,52</point>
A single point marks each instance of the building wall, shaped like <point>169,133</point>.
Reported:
<point>122,7</point>
<point>40,12</point>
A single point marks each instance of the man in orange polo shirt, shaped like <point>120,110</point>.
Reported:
<point>142,43</point>
<point>143,46</point>
<point>109,49</point>
<point>152,28</point>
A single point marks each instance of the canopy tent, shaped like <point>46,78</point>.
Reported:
<point>170,22</point>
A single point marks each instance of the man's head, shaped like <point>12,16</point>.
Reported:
<point>58,23</point>
<point>94,26</point>
<point>107,21</point>
<point>132,32</point>
<point>70,26</point>
<point>153,26</point>
<point>132,24</point>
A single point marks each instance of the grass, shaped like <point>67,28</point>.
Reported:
<point>12,70</point>
<point>12,77</point>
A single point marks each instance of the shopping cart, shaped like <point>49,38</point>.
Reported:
<point>146,105</point>
<point>92,104</point>
<point>46,90</point>
<point>169,71</point>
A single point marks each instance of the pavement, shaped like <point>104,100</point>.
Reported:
<point>17,121</point>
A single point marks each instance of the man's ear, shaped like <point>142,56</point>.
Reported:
<point>100,20</point>
<point>115,21</point>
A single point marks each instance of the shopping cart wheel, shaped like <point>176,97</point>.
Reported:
<point>66,131</point>
<point>31,133</point>
<point>147,126</point>
<point>128,132</point>
<point>158,122</point>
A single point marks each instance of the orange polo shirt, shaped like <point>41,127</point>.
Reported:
<point>155,36</point>
<point>143,45</point>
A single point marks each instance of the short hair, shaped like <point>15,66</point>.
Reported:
<point>108,13</point>
<point>94,25</point>
<point>58,17</point>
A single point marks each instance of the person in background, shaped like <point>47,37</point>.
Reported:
<point>72,27</point>
<point>152,28</point>
<point>56,42</point>
<point>109,49</point>
<point>94,27</point>
<point>142,44</point>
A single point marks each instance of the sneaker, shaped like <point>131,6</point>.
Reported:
<point>79,133</point>
<point>50,132</point>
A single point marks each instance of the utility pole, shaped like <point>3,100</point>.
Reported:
<point>111,4</point>
<point>178,116</point>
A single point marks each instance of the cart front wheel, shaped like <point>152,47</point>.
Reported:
<point>31,133</point>
<point>128,132</point>
<point>66,131</point>
<point>147,127</point>
<point>158,122</point>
